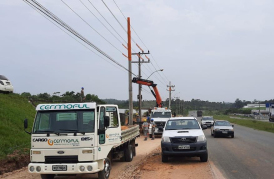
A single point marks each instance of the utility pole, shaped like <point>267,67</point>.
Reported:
<point>170,89</point>
<point>130,101</point>
<point>140,86</point>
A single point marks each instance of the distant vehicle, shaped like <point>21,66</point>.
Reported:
<point>199,113</point>
<point>5,85</point>
<point>222,128</point>
<point>160,116</point>
<point>207,120</point>
<point>183,136</point>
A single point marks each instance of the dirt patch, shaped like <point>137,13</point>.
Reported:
<point>14,161</point>
<point>152,167</point>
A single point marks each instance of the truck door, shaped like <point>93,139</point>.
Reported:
<point>111,134</point>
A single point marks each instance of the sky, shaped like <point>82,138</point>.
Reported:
<point>215,50</point>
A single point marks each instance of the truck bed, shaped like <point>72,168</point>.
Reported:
<point>128,133</point>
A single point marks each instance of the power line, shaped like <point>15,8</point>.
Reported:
<point>49,14</point>
<point>91,26</point>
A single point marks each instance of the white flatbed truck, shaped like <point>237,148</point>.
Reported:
<point>79,138</point>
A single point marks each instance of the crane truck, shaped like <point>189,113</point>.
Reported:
<point>159,113</point>
<point>79,138</point>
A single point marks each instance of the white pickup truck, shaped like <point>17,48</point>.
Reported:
<point>79,138</point>
<point>160,116</point>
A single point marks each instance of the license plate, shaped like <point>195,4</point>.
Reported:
<point>59,168</point>
<point>224,132</point>
<point>184,147</point>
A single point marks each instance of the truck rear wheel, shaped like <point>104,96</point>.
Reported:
<point>104,174</point>
<point>128,153</point>
<point>47,176</point>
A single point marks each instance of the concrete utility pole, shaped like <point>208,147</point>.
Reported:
<point>130,101</point>
<point>140,86</point>
<point>169,89</point>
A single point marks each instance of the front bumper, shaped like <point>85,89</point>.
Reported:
<point>72,168</point>
<point>196,149</point>
<point>157,131</point>
<point>224,133</point>
<point>208,124</point>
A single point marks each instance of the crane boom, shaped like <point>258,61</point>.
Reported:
<point>155,93</point>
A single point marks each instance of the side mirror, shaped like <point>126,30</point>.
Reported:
<point>204,127</point>
<point>106,121</point>
<point>232,125</point>
<point>26,126</point>
<point>25,123</point>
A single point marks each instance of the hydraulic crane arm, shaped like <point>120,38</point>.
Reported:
<point>155,93</point>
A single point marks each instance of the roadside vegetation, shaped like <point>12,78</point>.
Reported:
<point>254,124</point>
<point>13,110</point>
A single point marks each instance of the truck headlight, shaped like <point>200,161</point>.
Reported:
<point>86,151</point>
<point>89,168</point>
<point>217,129</point>
<point>38,169</point>
<point>82,168</point>
<point>31,168</point>
<point>36,152</point>
<point>165,139</point>
<point>201,138</point>
<point>231,129</point>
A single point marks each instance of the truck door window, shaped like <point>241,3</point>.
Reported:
<point>101,119</point>
<point>112,112</point>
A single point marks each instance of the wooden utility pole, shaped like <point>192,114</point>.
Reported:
<point>140,86</point>
<point>130,101</point>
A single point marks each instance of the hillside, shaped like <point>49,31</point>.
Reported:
<point>13,110</point>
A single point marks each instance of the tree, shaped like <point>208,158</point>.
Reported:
<point>238,103</point>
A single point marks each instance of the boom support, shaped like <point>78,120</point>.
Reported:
<point>155,93</point>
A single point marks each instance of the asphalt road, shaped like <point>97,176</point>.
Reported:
<point>249,155</point>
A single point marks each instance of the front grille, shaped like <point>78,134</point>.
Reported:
<point>160,124</point>
<point>208,122</point>
<point>183,140</point>
<point>61,159</point>
<point>176,149</point>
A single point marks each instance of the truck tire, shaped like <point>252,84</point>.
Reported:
<point>232,136</point>
<point>104,174</point>
<point>128,153</point>
<point>204,157</point>
<point>164,158</point>
<point>47,176</point>
<point>133,147</point>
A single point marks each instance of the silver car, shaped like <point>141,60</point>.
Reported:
<point>222,128</point>
<point>5,85</point>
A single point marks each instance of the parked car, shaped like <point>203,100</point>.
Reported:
<point>222,128</point>
<point>207,120</point>
<point>5,85</point>
<point>183,136</point>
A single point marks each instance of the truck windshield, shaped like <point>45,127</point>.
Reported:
<point>161,115</point>
<point>64,121</point>
<point>222,123</point>
<point>207,119</point>
<point>182,124</point>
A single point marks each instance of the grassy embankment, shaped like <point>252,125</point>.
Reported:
<point>254,124</point>
<point>13,110</point>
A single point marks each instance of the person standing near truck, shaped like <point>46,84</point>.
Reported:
<point>152,123</point>
<point>82,95</point>
<point>145,129</point>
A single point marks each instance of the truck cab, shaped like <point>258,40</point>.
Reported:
<point>74,138</point>
<point>160,116</point>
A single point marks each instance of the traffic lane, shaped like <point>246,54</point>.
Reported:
<point>249,155</point>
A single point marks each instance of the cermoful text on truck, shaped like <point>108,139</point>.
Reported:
<point>79,138</point>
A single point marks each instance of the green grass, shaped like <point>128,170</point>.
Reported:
<point>254,124</point>
<point>13,110</point>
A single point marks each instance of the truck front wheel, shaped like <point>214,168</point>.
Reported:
<point>47,176</point>
<point>128,153</point>
<point>104,174</point>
